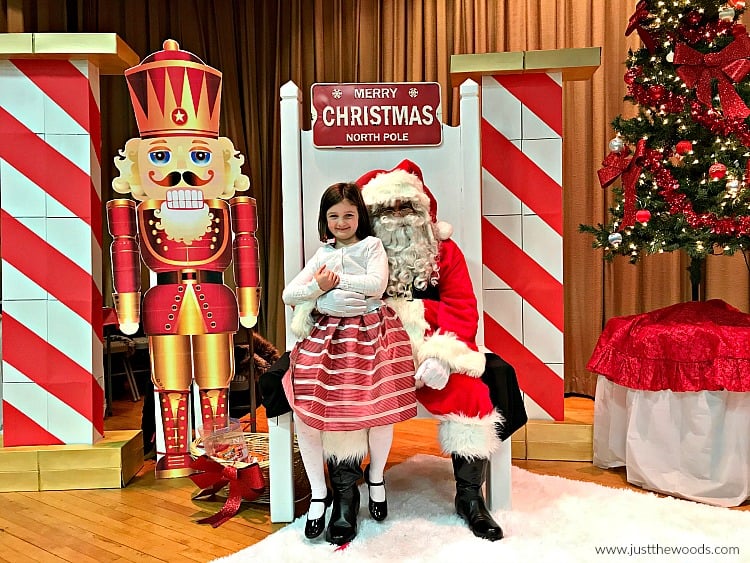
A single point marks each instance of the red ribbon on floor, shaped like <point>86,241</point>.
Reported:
<point>699,70</point>
<point>618,164</point>
<point>244,483</point>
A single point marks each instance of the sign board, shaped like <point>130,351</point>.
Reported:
<point>388,114</point>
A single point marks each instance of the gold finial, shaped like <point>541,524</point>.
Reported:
<point>171,45</point>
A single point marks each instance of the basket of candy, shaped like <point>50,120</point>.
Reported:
<point>235,446</point>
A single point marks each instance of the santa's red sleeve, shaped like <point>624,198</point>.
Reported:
<point>453,318</point>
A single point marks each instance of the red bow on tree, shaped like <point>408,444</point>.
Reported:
<point>618,164</point>
<point>244,483</point>
<point>634,24</point>
<point>730,63</point>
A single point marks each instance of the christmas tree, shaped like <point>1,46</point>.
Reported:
<point>680,169</point>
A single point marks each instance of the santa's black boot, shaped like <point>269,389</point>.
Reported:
<point>470,475</point>
<point>343,476</point>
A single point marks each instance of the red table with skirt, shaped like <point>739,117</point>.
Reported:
<point>672,402</point>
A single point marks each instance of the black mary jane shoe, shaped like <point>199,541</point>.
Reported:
<point>378,510</point>
<point>314,527</point>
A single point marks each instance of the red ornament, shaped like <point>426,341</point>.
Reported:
<point>693,18</point>
<point>633,73</point>
<point>717,171</point>
<point>656,92</point>
<point>684,147</point>
<point>642,215</point>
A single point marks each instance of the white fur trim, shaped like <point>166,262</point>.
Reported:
<point>443,230</point>
<point>302,322</point>
<point>399,184</point>
<point>345,445</point>
<point>411,313</point>
<point>470,437</point>
<point>456,354</point>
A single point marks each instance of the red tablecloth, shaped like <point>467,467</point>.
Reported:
<point>694,346</point>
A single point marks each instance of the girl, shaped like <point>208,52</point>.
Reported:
<point>352,370</point>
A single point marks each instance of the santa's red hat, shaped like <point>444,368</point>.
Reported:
<point>402,183</point>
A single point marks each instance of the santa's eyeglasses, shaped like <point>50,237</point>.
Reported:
<point>399,209</point>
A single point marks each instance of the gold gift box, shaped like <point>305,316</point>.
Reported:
<point>518,443</point>
<point>105,50</point>
<point>568,441</point>
<point>18,470</point>
<point>109,464</point>
<point>574,64</point>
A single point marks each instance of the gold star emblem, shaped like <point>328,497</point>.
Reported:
<point>179,116</point>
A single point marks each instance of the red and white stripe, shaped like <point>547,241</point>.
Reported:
<point>51,221</point>
<point>353,373</point>
<point>521,136</point>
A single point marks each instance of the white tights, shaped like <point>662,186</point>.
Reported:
<point>379,439</point>
<point>310,444</point>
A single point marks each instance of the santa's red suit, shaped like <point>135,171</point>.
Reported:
<point>442,321</point>
<point>443,324</point>
<point>439,311</point>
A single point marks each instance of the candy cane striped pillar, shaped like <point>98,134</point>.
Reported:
<point>51,235</point>
<point>522,221</point>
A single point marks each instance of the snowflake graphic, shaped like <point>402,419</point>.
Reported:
<point>336,93</point>
<point>413,92</point>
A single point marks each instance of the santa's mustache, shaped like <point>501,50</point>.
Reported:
<point>175,177</point>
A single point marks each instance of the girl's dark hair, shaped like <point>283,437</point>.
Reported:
<point>336,194</point>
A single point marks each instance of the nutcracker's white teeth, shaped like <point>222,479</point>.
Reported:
<point>184,199</point>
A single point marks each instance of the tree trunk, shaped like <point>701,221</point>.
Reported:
<point>696,269</point>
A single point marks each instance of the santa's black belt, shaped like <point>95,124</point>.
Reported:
<point>189,276</point>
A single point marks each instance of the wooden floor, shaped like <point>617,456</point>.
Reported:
<point>153,520</point>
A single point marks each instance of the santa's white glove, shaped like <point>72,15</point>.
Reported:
<point>433,373</point>
<point>341,303</point>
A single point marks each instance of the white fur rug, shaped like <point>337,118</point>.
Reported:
<point>553,519</point>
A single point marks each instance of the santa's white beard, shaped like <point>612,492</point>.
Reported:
<point>412,251</point>
<point>184,225</point>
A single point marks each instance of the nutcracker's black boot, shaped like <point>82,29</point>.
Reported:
<point>343,476</point>
<point>470,475</point>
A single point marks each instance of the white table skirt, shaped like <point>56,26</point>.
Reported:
<point>692,445</point>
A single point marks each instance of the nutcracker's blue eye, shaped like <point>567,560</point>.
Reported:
<point>201,158</point>
<point>159,158</point>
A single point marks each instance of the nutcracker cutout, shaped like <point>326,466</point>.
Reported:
<point>187,228</point>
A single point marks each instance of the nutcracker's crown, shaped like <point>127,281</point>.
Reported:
<point>175,93</point>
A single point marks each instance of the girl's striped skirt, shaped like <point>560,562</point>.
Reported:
<point>353,372</point>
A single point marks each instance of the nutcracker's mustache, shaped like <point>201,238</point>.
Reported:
<point>175,177</point>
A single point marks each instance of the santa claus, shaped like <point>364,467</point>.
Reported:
<point>431,290</point>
